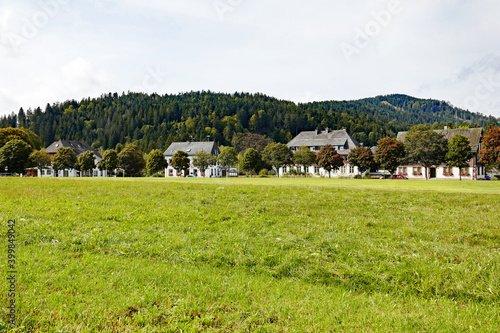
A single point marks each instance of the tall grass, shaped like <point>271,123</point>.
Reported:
<point>267,255</point>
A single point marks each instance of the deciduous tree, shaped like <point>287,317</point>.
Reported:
<point>109,161</point>
<point>180,161</point>
<point>277,155</point>
<point>490,151</point>
<point>250,140</point>
<point>459,152</point>
<point>203,160</point>
<point>15,155</point>
<point>305,157</point>
<point>65,158</point>
<point>10,133</point>
<point>40,159</point>
<point>329,159</point>
<point>251,160</point>
<point>361,157</point>
<point>131,161</point>
<point>389,154</point>
<point>156,162</point>
<point>86,161</point>
<point>227,158</point>
<point>426,147</point>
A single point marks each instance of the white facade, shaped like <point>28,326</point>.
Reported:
<point>443,172</point>
<point>212,171</point>
<point>345,171</point>
<point>72,173</point>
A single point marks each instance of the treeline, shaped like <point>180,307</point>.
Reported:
<point>154,121</point>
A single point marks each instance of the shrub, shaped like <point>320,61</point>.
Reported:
<point>263,172</point>
<point>358,177</point>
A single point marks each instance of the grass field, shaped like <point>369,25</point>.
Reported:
<point>263,255</point>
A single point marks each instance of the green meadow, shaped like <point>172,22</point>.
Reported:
<point>252,255</point>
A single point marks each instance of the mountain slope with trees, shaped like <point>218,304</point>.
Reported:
<point>153,121</point>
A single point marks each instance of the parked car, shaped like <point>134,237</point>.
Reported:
<point>398,177</point>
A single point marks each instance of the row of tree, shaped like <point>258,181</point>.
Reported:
<point>20,149</point>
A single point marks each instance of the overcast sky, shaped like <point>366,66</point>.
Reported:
<point>54,50</point>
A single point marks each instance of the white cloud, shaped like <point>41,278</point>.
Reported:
<point>287,49</point>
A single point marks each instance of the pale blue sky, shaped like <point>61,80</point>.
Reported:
<point>53,50</point>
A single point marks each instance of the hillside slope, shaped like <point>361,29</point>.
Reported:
<point>153,121</point>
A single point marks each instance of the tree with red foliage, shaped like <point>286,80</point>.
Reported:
<point>490,151</point>
<point>389,154</point>
<point>361,157</point>
<point>329,159</point>
<point>242,142</point>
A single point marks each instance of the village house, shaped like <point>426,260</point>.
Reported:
<point>79,147</point>
<point>474,171</point>
<point>191,148</point>
<point>341,141</point>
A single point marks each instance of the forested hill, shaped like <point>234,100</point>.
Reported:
<point>153,121</point>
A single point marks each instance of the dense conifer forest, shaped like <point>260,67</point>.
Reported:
<point>154,121</point>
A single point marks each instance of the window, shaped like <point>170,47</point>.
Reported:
<point>465,172</point>
<point>43,172</point>
<point>96,174</point>
<point>65,173</point>
<point>351,169</point>
<point>417,171</point>
<point>316,170</point>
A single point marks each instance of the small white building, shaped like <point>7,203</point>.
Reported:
<point>191,148</point>
<point>341,141</point>
<point>79,147</point>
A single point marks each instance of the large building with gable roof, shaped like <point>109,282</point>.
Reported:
<point>191,148</point>
<point>78,147</point>
<point>314,140</point>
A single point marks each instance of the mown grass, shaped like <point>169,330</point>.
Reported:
<point>264,255</point>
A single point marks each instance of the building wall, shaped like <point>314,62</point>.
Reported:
<point>345,171</point>
<point>213,171</point>
<point>71,173</point>
<point>442,172</point>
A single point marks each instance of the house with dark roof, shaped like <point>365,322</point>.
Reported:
<point>474,171</point>
<point>342,141</point>
<point>78,147</point>
<point>191,148</point>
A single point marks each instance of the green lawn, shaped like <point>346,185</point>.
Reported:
<point>263,255</point>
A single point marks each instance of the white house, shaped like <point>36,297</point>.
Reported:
<point>191,148</point>
<point>314,140</point>
<point>474,171</point>
<point>79,147</point>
